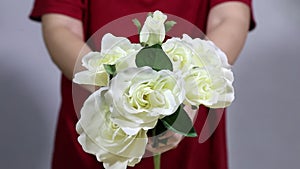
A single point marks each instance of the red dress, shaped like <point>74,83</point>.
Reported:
<point>190,154</point>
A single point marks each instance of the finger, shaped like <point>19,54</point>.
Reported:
<point>160,149</point>
<point>175,139</point>
<point>166,134</point>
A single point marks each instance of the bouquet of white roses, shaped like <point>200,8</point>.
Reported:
<point>144,87</point>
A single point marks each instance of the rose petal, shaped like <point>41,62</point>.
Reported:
<point>91,78</point>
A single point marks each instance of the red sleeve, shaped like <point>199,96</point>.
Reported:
<point>247,2</point>
<point>72,8</point>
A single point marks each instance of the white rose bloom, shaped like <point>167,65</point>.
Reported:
<point>140,96</point>
<point>114,50</point>
<point>179,52</point>
<point>95,73</point>
<point>153,30</point>
<point>209,79</point>
<point>209,86</point>
<point>206,53</point>
<point>104,139</point>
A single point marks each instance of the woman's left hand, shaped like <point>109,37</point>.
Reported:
<point>163,142</point>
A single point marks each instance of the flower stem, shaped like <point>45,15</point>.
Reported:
<point>156,159</point>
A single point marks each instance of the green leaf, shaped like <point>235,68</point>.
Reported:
<point>154,57</point>
<point>169,25</point>
<point>180,123</point>
<point>137,23</point>
<point>110,69</point>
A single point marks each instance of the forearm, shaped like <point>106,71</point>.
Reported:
<point>65,45</point>
<point>229,31</point>
<point>230,38</point>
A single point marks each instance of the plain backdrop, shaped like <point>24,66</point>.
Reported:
<point>263,122</point>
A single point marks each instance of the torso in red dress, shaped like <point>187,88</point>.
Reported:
<point>190,154</point>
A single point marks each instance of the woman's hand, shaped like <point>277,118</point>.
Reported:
<point>169,139</point>
<point>163,142</point>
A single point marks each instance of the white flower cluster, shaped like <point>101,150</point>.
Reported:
<point>115,119</point>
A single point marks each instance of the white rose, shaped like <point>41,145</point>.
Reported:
<point>95,73</point>
<point>179,52</point>
<point>140,96</point>
<point>209,86</point>
<point>206,53</point>
<point>114,50</point>
<point>153,30</point>
<point>104,139</point>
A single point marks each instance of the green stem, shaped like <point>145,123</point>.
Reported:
<point>156,159</point>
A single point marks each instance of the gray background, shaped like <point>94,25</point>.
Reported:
<point>263,122</point>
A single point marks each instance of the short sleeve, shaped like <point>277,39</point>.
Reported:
<point>247,2</point>
<point>72,8</point>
